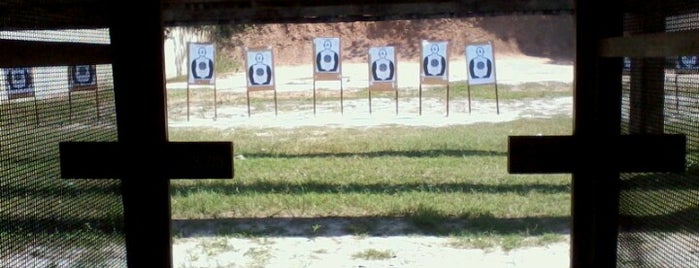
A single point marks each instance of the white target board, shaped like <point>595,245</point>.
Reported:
<point>480,64</point>
<point>327,57</point>
<point>382,65</point>
<point>82,77</point>
<point>688,63</point>
<point>435,62</point>
<point>201,63</point>
<point>20,82</point>
<point>260,67</point>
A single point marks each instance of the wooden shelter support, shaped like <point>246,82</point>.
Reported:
<point>142,158</point>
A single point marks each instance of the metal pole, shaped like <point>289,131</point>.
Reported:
<point>419,97</point>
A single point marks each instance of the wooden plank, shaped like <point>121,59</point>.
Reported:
<point>651,45</point>
<point>278,11</point>
<point>567,154</point>
<point>68,14</point>
<point>186,160</point>
<point>20,53</point>
<point>89,14</point>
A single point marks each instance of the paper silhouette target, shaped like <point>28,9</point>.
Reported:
<point>480,63</point>
<point>201,63</point>
<point>688,63</point>
<point>82,77</point>
<point>382,64</point>
<point>327,55</point>
<point>260,68</point>
<point>20,82</point>
<point>434,59</point>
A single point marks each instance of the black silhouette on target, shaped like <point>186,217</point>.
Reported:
<point>327,60</point>
<point>382,69</point>
<point>434,64</point>
<point>259,73</point>
<point>203,66</point>
<point>480,66</point>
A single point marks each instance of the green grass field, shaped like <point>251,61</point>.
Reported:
<point>449,181</point>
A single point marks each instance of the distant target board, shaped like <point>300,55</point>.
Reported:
<point>327,57</point>
<point>82,77</point>
<point>382,67</point>
<point>480,62</point>
<point>20,82</point>
<point>260,69</point>
<point>687,64</point>
<point>201,63</point>
<point>627,66</point>
<point>435,63</point>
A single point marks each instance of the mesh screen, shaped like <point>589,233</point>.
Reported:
<point>47,221</point>
<point>659,212</point>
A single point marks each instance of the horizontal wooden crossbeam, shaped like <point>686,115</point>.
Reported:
<point>568,154</point>
<point>652,45</point>
<point>185,160</point>
<point>89,14</point>
<point>21,53</point>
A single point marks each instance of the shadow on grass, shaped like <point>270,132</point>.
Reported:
<point>425,153</point>
<point>50,226</point>
<point>371,226</point>
<point>685,220</point>
<point>227,188</point>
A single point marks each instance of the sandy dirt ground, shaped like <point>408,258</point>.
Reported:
<point>209,250</point>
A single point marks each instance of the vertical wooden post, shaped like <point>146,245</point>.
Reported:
<point>142,123</point>
<point>597,109</point>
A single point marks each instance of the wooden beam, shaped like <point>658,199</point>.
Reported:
<point>39,14</point>
<point>184,12</point>
<point>651,45</point>
<point>20,53</point>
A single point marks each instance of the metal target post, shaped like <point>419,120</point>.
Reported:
<point>82,80</point>
<point>327,65</point>
<point>25,90</point>
<point>434,68</point>
<point>201,69</point>
<point>480,63</point>
<point>260,73</point>
<point>383,72</point>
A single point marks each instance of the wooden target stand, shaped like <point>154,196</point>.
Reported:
<point>204,83</point>
<point>328,77</point>
<point>468,92</point>
<point>82,88</point>
<point>428,57</point>
<point>21,94</point>
<point>678,72</point>
<point>192,80</point>
<point>255,88</point>
<point>383,87</point>
<point>470,82</point>
<point>426,80</point>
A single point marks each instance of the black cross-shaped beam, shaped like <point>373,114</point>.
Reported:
<point>595,163</point>
<point>143,158</point>
<point>570,154</point>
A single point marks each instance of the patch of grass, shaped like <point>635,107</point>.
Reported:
<point>445,181</point>
<point>374,254</point>
<point>361,228</point>
<point>425,217</point>
<point>260,257</point>
<point>215,246</point>
<point>489,240</point>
